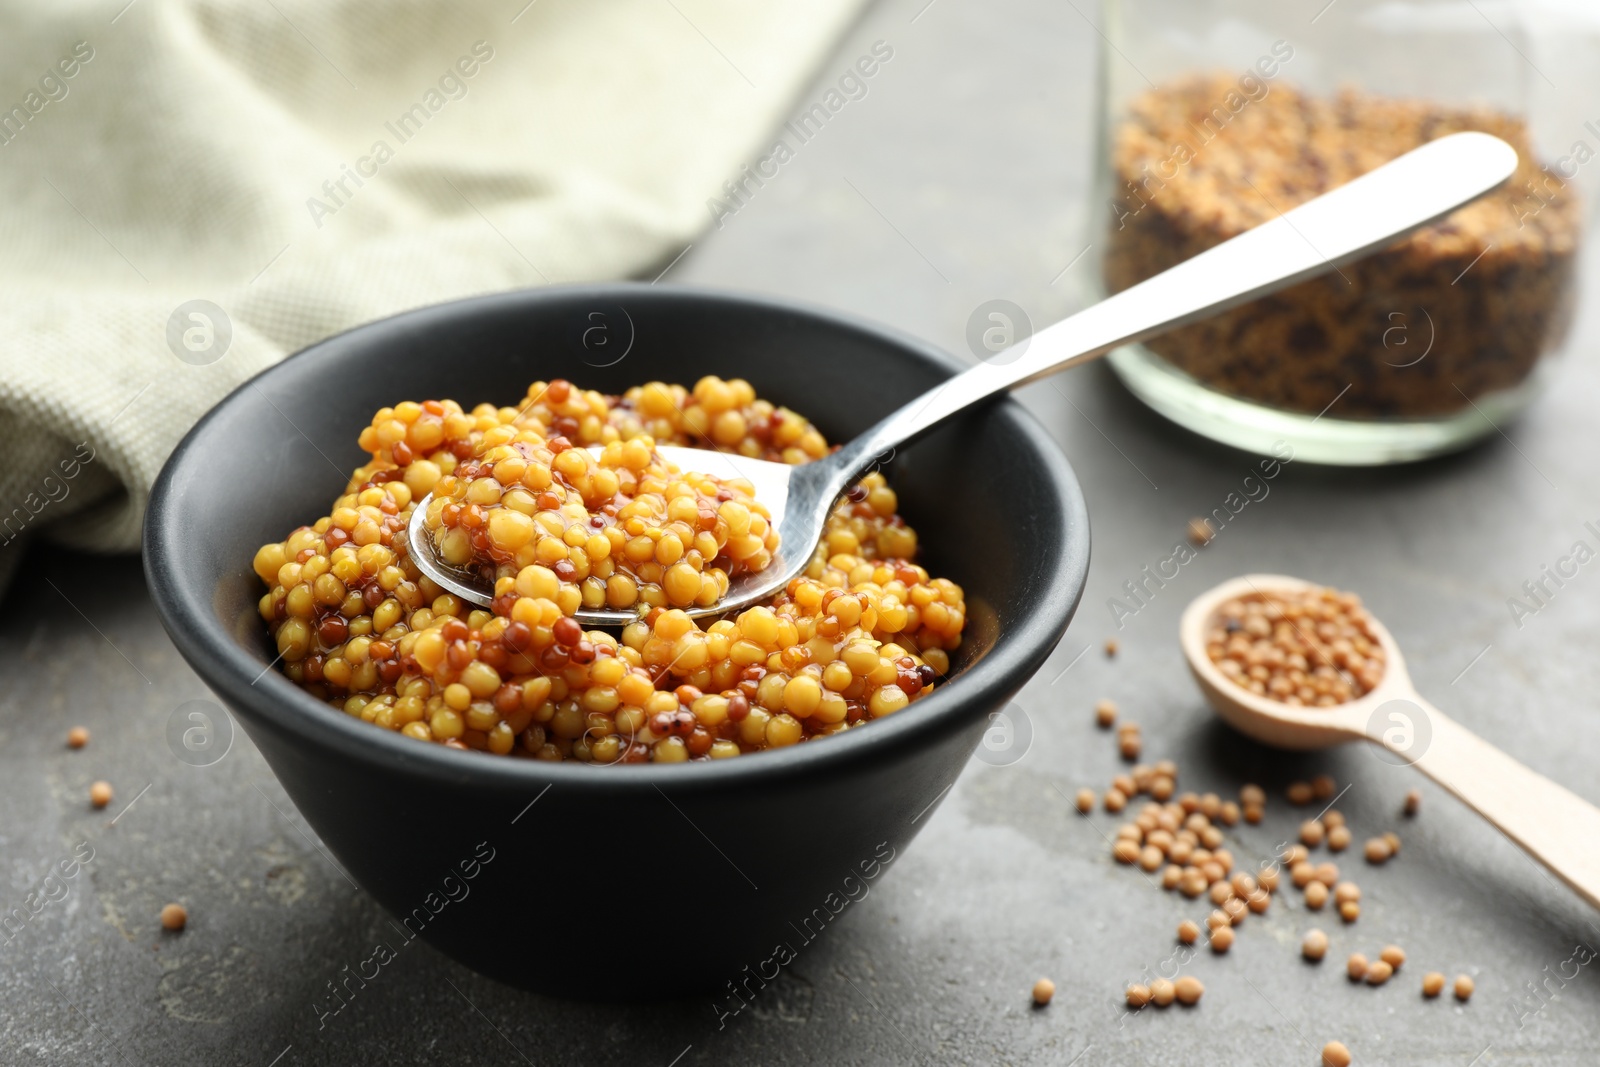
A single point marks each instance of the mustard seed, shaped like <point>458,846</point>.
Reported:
<point>1138,996</point>
<point>1193,883</point>
<point>1393,955</point>
<point>1252,794</point>
<point>1378,850</point>
<point>1332,817</point>
<point>77,737</point>
<point>1125,851</point>
<point>1379,972</point>
<point>1432,984</point>
<point>1323,787</point>
<point>1327,874</point>
<point>1188,931</point>
<point>1200,532</point>
<point>1129,745</point>
<point>1334,1054</point>
<point>1301,874</point>
<point>1151,859</point>
<point>1105,713</point>
<point>1235,909</point>
<point>1316,895</point>
<point>1413,802</point>
<point>1166,767</point>
<point>1269,879</point>
<point>1349,911</point>
<point>1464,987</point>
<point>1299,793</point>
<point>1161,787</point>
<point>1229,813</point>
<point>1338,838</point>
<point>100,794</point>
<point>1124,784</point>
<point>1222,939</point>
<point>1189,989</point>
<point>1311,833</point>
<point>1171,876</point>
<point>1243,884</point>
<point>1295,854</point>
<point>174,917</point>
<point>1314,945</point>
<point>1043,990</point>
<point>1316,648</point>
<point>1221,893</point>
<point>1085,801</point>
<point>1211,837</point>
<point>1111,647</point>
<point>1218,918</point>
<point>1114,800</point>
<point>1253,814</point>
<point>1258,901</point>
<point>1356,966</point>
<point>1346,891</point>
<point>1130,832</point>
<point>1392,839</point>
<point>1162,992</point>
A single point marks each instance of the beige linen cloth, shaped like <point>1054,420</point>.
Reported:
<point>307,165</point>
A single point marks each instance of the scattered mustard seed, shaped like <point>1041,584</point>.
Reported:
<point>1316,895</point>
<point>174,917</point>
<point>1129,745</point>
<point>1323,787</point>
<point>1356,966</point>
<point>1125,851</point>
<point>1043,989</point>
<point>1189,989</point>
<point>1334,1054</point>
<point>1338,838</point>
<point>1299,793</point>
<point>1314,945</point>
<point>1138,996</point>
<point>1393,955</point>
<point>1222,939</point>
<point>1333,817</point>
<point>1432,984</point>
<point>1200,532</point>
<point>1252,794</point>
<point>1392,839</point>
<point>1162,992</point>
<point>1379,972</point>
<point>100,794</point>
<point>1349,910</point>
<point>1111,647</point>
<point>1464,987</point>
<point>1105,713</point>
<point>1115,800</point>
<point>1378,850</point>
<point>1327,874</point>
<point>1085,801</point>
<point>77,737</point>
<point>1311,833</point>
<point>1413,802</point>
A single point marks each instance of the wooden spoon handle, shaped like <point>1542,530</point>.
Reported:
<point>1556,827</point>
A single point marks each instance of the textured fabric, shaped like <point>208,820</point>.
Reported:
<point>307,165</point>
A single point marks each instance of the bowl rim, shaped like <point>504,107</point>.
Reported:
<point>236,676</point>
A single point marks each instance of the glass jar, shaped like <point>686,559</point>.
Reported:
<point>1217,115</point>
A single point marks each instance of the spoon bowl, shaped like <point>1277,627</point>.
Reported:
<point>1555,827</point>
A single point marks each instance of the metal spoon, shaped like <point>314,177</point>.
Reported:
<point>1374,210</point>
<point>1554,826</point>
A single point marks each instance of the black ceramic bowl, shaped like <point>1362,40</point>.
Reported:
<point>623,882</point>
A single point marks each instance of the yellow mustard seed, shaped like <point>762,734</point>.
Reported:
<point>174,917</point>
<point>1432,984</point>
<point>1043,990</point>
<point>1314,945</point>
<point>77,737</point>
<point>1334,1054</point>
<point>100,794</point>
<point>1464,987</point>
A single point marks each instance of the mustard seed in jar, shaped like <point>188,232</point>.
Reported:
<point>1311,648</point>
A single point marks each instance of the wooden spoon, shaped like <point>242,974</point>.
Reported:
<point>1555,827</point>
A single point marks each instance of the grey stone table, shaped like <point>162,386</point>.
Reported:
<point>960,177</point>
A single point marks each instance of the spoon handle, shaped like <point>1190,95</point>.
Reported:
<point>1556,827</point>
<point>1365,214</point>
